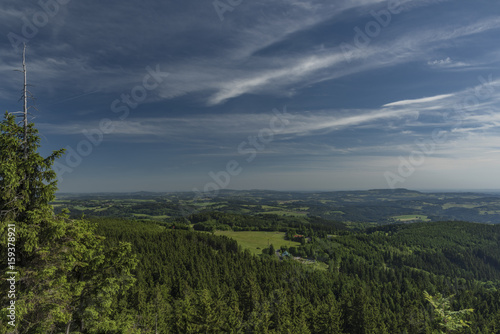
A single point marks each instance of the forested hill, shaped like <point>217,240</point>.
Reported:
<point>197,282</point>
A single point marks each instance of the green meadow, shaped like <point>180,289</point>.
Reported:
<point>256,241</point>
<point>404,218</point>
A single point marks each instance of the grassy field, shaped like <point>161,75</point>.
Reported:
<point>142,215</point>
<point>286,213</point>
<point>79,207</point>
<point>404,218</point>
<point>256,241</point>
<point>314,264</point>
<point>134,200</point>
<point>466,206</point>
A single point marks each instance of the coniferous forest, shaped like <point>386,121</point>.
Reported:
<point>190,282</point>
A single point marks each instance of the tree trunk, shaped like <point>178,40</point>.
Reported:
<point>68,327</point>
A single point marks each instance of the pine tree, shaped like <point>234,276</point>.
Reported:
<point>272,251</point>
<point>66,279</point>
<point>185,314</point>
<point>328,316</point>
<point>448,321</point>
<point>249,295</point>
<point>300,313</point>
<point>233,316</point>
<point>281,312</point>
<point>259,320</point>
<point>208,313</point>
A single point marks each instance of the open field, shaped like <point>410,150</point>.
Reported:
<point>286,213</point>
<point>314,264</point>
<point>466,206</point>
<point>256,241</point>
<point>404,218</point>
<point>143,215</point>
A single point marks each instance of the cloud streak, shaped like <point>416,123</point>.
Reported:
<point>333,64</point>
<point>418,101</point>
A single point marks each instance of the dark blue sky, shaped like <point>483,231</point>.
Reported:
<point>288,95</point>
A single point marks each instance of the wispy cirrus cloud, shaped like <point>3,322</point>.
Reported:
<point>412,118</point>
<point>333,64</point>
<point>237,68</point>
<point>235,125</point>
<point>446,63</point>
<point>418,101</point>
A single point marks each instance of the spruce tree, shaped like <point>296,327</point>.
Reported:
<point>328,316</point>
<point>65,279</point>
<point>448,321</point>
<point>272,251</point>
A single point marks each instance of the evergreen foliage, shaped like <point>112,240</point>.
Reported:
<point>450,321</point>
<point>203,274</point>
<point>66,279</point>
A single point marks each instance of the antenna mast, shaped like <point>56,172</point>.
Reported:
<point>25,105</point>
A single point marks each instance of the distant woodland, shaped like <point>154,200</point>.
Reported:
<point>352,207</point>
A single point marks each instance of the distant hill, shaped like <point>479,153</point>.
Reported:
<point>374,206</point>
